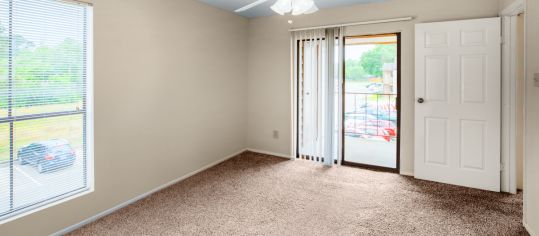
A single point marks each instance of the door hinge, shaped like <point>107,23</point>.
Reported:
<point>502,167</point>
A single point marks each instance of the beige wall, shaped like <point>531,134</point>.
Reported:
<point>505,3</point>
<point>170,96</point>
<point>531,188</point>
<point>269,62</point>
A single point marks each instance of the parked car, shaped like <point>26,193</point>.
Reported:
<point>375,87</point>
<point>351,123</point>
<point>47,155</point>
<point>358,117</point>
<point>361,108</point>
<point>371,132</point>
<point>383,113</point>
<point>382,123</point>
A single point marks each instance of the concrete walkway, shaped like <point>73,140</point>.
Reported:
<point>370,152</point>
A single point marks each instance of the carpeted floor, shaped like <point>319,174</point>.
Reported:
<point>254,194</point>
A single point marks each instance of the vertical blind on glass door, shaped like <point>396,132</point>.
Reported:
<point>44,105</point>
<point>318,73</point>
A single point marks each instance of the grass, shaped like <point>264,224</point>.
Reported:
<point>21,111</point>
<point>27,132</point>
<point>4,142</point>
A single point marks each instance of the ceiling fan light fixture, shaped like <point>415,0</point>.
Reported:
<point>297,7</point>
<point>300,7</point>
<point>282,7</point>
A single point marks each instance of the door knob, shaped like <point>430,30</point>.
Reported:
<point>420,100</point>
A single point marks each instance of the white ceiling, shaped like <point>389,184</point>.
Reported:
<point>264,9</point>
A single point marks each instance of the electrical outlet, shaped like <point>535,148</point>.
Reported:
<point>275,134</point>
<point>536,79</point>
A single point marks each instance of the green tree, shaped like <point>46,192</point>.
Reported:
<point>3,42</point>
<point>20,45</point>
<point>3,70</point>
<point>354,70</point>
<point>57,71</point>
<point>373,60</point>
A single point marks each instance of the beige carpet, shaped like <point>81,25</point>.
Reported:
<point>254,194</point>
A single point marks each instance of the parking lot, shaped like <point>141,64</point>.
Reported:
<point>30,186</point>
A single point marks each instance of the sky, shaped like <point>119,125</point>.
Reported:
<point>356,51</point>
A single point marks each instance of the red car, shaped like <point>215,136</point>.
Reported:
<point>351,124</point>
<point>382,123</point>
<point>371,132</point>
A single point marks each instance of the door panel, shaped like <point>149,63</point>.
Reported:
<point>473,78</point>
<point>457,138</point>
<point>472,137</point>
<point>436,78</point>
<point>436,142</point>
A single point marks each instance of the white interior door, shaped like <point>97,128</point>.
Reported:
<point>458,108</point>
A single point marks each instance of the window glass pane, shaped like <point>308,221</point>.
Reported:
<point>48,57</point>
<point>42,98</point>
<point>4,46</point>
<point>370,103</point>
<point>50,160</point>
<point>4,168</point>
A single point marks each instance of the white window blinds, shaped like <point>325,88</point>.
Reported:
<point>318,73</point>
<point>45,103</point>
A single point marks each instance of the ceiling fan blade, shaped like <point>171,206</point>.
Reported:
<point>254,4</point>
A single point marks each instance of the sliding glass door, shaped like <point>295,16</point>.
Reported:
<point>318,75</point>
<point>371,101</point>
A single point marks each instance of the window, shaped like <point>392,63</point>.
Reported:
<point>45,104</point>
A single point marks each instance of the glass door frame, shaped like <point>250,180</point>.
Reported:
<point>398,104</point>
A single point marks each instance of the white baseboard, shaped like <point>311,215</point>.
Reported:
<point>287,156</point>
<point>529,229</point>
<point>144,195</point>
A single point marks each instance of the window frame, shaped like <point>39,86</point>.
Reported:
<point>87,113</point>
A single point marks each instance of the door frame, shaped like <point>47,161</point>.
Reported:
<point>399,98</point>
<point>509,96</point>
